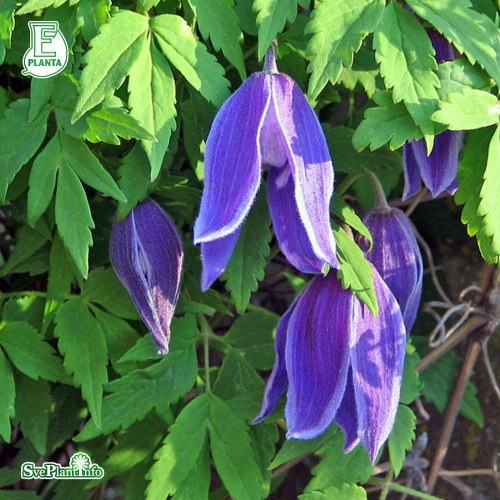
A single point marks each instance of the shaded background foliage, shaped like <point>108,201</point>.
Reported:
<point>128,118</point>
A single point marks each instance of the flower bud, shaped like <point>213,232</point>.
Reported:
<point>146,252</point>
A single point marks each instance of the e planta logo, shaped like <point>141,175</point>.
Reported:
<point>48,52</point>
<point>80,467</point>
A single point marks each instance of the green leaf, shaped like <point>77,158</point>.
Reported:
<point>459,75</point>
<point>350,491</point>
<point>134,395</point>
<point>388,122</point>
<point>347,214</point>
<point>108,124</point>
<point>152,101</point>
<point>219,21</point>
<point>91,15</point>
<point>338,28</point>
<point>271,18</point>
<point>19,140</point>
<point>134,446</point>
<point>180,451</point>
<point>111,56</point>
<point>30,353</point>
<point>83,345</point>
<point>411,387</point>
<point>468,110</point>
<point>472,33</point>
<point>75,230</point>
<point>232,452</point>
<point>336,468</point>
<point>8,391</point>
<point>197,484</point>
<point>28,309</point>
<point>246,266</point>
<point>471,171</point>
<point>103,287</point>
<point>29,241</point>
<point>33,5</point>
<point>239,385</point>
<point>7,23</point>
<point>134,177</point>
<point>401,437</point>
<point>253,335</point>
<point>181,47</point>
<point>489,207</point>
<point>355,271</point>
<point>405,54</point>
<point>33,404</point>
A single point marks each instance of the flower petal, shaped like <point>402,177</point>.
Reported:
<point>397,258</point>
<point>278,380</point>
<point>347,417</point>
<point>413,179</point>
<point>233,161</point>
<point>309,161</point>
<point>290,231</point>
<point>146,252</point>
<point>377,359</point>
<point>317,356</point>
<point>215,256</point>
<point>444,49</point>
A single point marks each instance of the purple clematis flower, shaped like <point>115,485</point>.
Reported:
<point>146,252</point>
<point>337,362</point>
<point>437,171</point>
<point>267,122</point>
<point>396,256</point>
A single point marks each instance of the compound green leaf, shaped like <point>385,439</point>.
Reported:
<point>19,140</point>
<point>386,123</point>
<point>30,353</point>
<point>405,54</point>
<point>246,266</point>
<point>472,33</point>
<point>8,391</point>
<point>468,110</point>
<point>82,342</point>
<point>232,452</point>
<point>73,217</point>
<point>350,491</point>
<point>111,56</point>
<point>181,47</point>
<point>134,395</point>
<point>33,404</point>
<point>401,437</point>
<point>218,21</point>
<point>180,451</point>
<point>152,101</point>
<point>108,124</point>
<point>338,28</point>
<point>355,271</point>
<point>271,18</point>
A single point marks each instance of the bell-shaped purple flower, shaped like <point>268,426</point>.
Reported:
<point>267,122</point>
<point>338,362</point>
<point>146,252</point>
<point>397,258</point>
<point>438,170</point>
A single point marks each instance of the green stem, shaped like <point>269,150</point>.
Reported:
<point>207,333</point>
<point>385,491</point>
<point>381,201</point>
<point>346,184</point>
<point>401,489</point>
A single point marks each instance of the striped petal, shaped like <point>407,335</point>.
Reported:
<point>146,252</point>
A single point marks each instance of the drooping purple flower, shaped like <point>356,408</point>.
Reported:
<point>267,122</point>
<point>438,170</point>
<point>146,252</point>
<point>397,258</point>
<point>337,362</point>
